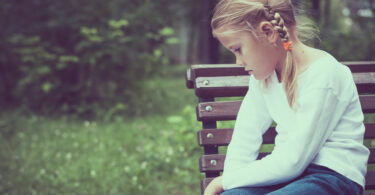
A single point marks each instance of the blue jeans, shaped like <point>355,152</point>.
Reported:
<point>314,180</point>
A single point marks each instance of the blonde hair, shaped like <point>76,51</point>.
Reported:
<point>245,15</point>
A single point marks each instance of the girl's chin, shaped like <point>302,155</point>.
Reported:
<point>259,77</point>
<point>256,78</point>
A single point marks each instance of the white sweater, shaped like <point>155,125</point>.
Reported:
<point>327,129</point>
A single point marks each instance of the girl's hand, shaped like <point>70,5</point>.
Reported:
<point>215,187</point>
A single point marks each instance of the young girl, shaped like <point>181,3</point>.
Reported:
<point>307,92</point>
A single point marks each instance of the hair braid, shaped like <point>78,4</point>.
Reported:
<point>278,23</point>
<point>290,69</point>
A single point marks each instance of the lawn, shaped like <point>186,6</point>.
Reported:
<point>150,155</point>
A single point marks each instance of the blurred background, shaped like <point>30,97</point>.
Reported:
<point>93,97</point>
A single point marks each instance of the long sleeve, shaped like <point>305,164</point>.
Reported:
<point>252,121</point>
<point>318,112</point>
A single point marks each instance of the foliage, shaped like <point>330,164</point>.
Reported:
<point>346,33</point>
<point>68,58</point>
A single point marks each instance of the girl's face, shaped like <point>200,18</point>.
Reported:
<point>257,56</point>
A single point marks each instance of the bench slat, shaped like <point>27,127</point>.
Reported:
<point>230,86</point>
<point>370,180</point>
<point>214,70</point>
<point>228,110</point>
<point>222,137</point>
<point>218,111</point>
<point>361,66</point>
<point>215,162</point>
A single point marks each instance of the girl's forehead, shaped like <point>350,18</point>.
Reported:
<point>230,36</point>
<point>228,39</point>
<point>226,30</point>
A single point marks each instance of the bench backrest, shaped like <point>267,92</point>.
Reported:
<point>230,80</point>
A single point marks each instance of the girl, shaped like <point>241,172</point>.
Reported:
<point>307,92</point>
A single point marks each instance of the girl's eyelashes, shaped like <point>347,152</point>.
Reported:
<point>238,50</point>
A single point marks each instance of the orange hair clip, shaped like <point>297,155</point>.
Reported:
<point>288,46</point>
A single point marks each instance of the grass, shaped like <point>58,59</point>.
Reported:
<point>150,155</point>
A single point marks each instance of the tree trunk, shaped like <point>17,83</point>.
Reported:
<point>316,15</point>
<point>208,46</point>
<point>193,31</point>
<point>372,6</point>
<point>327,9</point>
<point>6,91</point>
<point>316,10</point>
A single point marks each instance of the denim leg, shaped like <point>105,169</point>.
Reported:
<point>253,190</point>
<point>248,191</point>
<point>315,180</point>
<point>320,180</point>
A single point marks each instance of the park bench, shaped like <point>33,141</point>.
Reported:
<point>229,80</point>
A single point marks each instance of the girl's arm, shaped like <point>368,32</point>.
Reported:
<point>318,113</point>
<point>251,123</point>
<point>215,187</point>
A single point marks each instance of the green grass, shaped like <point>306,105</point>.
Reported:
<point>150,155</point>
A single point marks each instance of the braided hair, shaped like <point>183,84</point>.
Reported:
<point>290,69</point>
<point>278,23</point>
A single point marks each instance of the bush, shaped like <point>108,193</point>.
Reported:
<point>73,59</point>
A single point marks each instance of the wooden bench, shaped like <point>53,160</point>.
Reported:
<point>230,80</point>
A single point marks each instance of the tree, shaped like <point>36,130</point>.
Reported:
<point>209,47</point>
<point>76,56</point>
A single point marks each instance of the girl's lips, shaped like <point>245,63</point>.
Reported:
<point>250,71</point>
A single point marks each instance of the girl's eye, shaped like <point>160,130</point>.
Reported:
<point>237,50</point>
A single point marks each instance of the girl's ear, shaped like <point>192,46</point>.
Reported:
<point>267,29</point>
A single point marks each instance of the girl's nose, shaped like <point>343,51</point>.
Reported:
<point>239,62</point>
